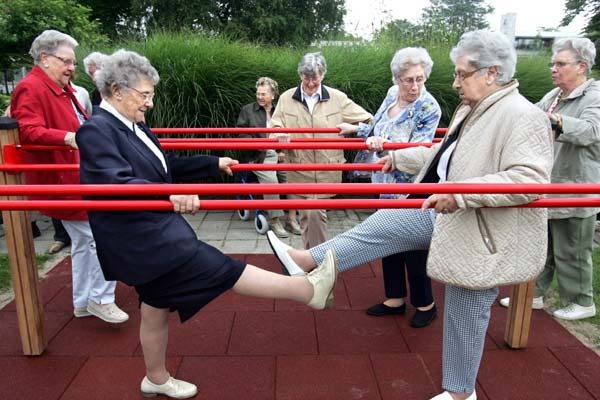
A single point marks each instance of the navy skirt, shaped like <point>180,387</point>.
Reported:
<point>191,286</point>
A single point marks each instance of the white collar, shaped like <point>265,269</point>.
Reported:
<point>111,109</point>
<point>319,93</point>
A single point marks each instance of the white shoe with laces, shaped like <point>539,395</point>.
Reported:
<point>538,302</point>
<point>107,312</point>
<point>173,388</point>
<point>281,251</point>
<point>575,311</point>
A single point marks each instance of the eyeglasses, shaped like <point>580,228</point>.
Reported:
<point>560,64</point>
<point>461,75</point>
<point>313,79</point>
<point>419,80</point>
<point>67,61</point>
<point>146,95</point>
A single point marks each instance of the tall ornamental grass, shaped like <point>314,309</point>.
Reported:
<point>206,80</point>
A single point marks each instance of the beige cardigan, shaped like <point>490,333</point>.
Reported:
<point>504,139</point>
<point>333,109</point>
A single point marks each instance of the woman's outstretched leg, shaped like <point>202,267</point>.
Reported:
<point>314,289</point>
<point>386,232</point>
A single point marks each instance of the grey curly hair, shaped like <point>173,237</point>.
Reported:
<point>124,68</point>
<point>485,48</point>
<point>48,41</point>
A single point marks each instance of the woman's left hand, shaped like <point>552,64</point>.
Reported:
<point>185,203</point>
<point>443,203</point>
<point>225,164</point>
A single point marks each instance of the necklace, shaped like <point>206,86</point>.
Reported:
<point>555,103</point>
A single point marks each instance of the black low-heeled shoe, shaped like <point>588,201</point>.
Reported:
<point>423,318</point>
<point>379,310</point>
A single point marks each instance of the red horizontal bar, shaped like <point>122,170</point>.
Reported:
<point>214,145</point>
<point>256,140</point>
<point>291,188</point>
<point>124,205</point>
<point>238,167</point>
<point>217,131</point>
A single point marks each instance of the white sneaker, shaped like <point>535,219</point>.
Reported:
<point>538,302</point>
<point>448,396</point>
<point>107,312</point>
<point>173,388</point>
<point>575,311</point>
<point>281,251</point>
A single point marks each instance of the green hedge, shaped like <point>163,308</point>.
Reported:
<point>205,81</point>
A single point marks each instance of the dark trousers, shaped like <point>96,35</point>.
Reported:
<point>412,263</point>
<point>60,233</point>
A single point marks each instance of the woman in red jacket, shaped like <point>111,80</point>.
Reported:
<point>48,113</point>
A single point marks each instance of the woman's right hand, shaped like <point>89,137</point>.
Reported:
<point>70,140</point>
<point>347,129</point>
<point>375,143</point>
<point>387,164</point>
<point>185,203</point>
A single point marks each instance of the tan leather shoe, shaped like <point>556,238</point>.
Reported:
<point>292,226</point>
<point>278,229</point>
<point>323,279</point>
<point>56,247</point>
<point>173,388</point>
<point>107,312</point>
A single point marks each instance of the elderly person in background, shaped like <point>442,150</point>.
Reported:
<point>258,115</point>
<point>573,108</point>
<point>48,113</point>
<point>158,252</point>
<point>314,105</point>
<point>409,113</point>
<point>476,242</point>
<point>92,63</point>
<point>83,97</point>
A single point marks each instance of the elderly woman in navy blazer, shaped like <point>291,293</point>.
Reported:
<point>157,251</point>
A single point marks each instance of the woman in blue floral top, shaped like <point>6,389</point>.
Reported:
<point>407,114</point>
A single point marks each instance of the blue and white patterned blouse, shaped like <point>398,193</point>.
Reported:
<point>416,123</point>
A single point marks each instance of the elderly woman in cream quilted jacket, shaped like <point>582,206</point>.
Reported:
<point>495,136</point>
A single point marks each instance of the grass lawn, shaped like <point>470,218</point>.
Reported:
<point>5,281</point>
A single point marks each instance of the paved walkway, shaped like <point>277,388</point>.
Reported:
<point>246,348</point>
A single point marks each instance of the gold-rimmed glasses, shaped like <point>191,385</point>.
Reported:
<point>462,75</point>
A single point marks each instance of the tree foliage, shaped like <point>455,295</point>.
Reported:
<point>278,22</point>
<point>591,10</point>
<point>21,21</point>
<point>442,22</point>
<point>455,16</point>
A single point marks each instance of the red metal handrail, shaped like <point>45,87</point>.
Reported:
<point>216,145</point>
<point>298,188</point>
<point>165,205</point>
<point>220,131</point>
<point>238,167</point>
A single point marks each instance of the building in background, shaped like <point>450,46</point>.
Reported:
<point>539,39</point>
